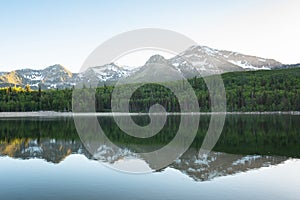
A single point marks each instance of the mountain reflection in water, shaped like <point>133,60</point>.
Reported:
<point>247,142</point>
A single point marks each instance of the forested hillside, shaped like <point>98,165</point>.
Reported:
<point>274,90</point>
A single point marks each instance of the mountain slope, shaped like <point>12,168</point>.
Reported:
<point>12,77</point>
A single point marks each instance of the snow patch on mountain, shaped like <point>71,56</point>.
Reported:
<point>246,65</point>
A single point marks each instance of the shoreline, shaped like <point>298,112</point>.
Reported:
<point>71,114</point>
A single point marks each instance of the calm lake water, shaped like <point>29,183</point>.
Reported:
<point>256,157</point>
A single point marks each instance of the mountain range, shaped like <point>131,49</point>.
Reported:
<point>194,61</point>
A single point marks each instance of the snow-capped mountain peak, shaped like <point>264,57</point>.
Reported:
<point>108,72</point>
<point>198,50</point>
<point>209,61</point>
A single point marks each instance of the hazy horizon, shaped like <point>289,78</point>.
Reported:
<point>40,34</point>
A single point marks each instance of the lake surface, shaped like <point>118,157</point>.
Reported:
<point>256,157</point>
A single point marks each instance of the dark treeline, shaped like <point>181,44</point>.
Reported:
<point>14,99</point>
<point>276,90</point>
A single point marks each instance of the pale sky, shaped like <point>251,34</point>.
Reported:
<point>36,34</point>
